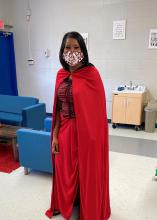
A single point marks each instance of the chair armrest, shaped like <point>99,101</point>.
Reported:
<point>35,149</point>
<point>33,116</point>
<point>48,124</point>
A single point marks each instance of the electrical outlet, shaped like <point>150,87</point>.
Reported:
<point>30,61</point>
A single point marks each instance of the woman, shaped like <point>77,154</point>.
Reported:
<point>79,136</point>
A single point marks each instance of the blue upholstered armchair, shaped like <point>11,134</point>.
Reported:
<point>34,148</point>
<point>22,111</point>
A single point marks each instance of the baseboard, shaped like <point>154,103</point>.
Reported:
<point>135,146</point>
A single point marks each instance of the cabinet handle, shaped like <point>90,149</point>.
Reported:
<point>127,103</point>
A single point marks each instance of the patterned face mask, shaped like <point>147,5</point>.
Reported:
<point>73,58</point>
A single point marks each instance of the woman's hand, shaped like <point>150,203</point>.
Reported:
<point>55,145</point>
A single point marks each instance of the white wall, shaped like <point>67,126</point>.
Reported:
<point>5,11</point>
<point>119,61</point>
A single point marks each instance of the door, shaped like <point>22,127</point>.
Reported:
<point>118,108</point>
<point>133,110</point>
<point>8,83</point>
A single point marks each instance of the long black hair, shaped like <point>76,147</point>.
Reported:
<point>82,44</point>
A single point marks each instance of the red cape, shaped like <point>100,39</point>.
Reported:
<point>92,129</point>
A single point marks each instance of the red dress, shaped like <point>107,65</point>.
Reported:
<point>83,145</point>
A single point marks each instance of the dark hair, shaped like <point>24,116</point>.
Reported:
<point>82,44</point>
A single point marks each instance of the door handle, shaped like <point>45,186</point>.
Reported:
<point>127,103</point>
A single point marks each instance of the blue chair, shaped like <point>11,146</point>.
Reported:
<point>48,124</point>
<point>22,111</point>
<point>34,148</point>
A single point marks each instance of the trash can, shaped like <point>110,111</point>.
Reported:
<point>150,116</point>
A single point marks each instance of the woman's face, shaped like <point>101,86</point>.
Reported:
<point>72,45</point>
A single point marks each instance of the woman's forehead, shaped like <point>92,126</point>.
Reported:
<point>71,41</point>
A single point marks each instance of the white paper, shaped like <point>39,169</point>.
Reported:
<point>85,37</point>
<point>119,29</point>
<point>153,38</point>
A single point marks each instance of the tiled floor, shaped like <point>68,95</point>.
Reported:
<point>132,191</point>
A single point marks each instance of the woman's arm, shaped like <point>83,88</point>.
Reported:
<point>56,131</point>
<point>57,125</point>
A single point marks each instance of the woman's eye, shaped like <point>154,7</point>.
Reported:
<point>67,47</point>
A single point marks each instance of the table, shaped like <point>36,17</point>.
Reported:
<point>8,133</point>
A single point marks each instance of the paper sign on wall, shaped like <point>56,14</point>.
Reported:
<point>1,24</point>
<point>85,37</point>
<point>119,29</point>
<point>153,39</point>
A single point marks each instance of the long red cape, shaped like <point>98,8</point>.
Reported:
<point>92,130</point>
